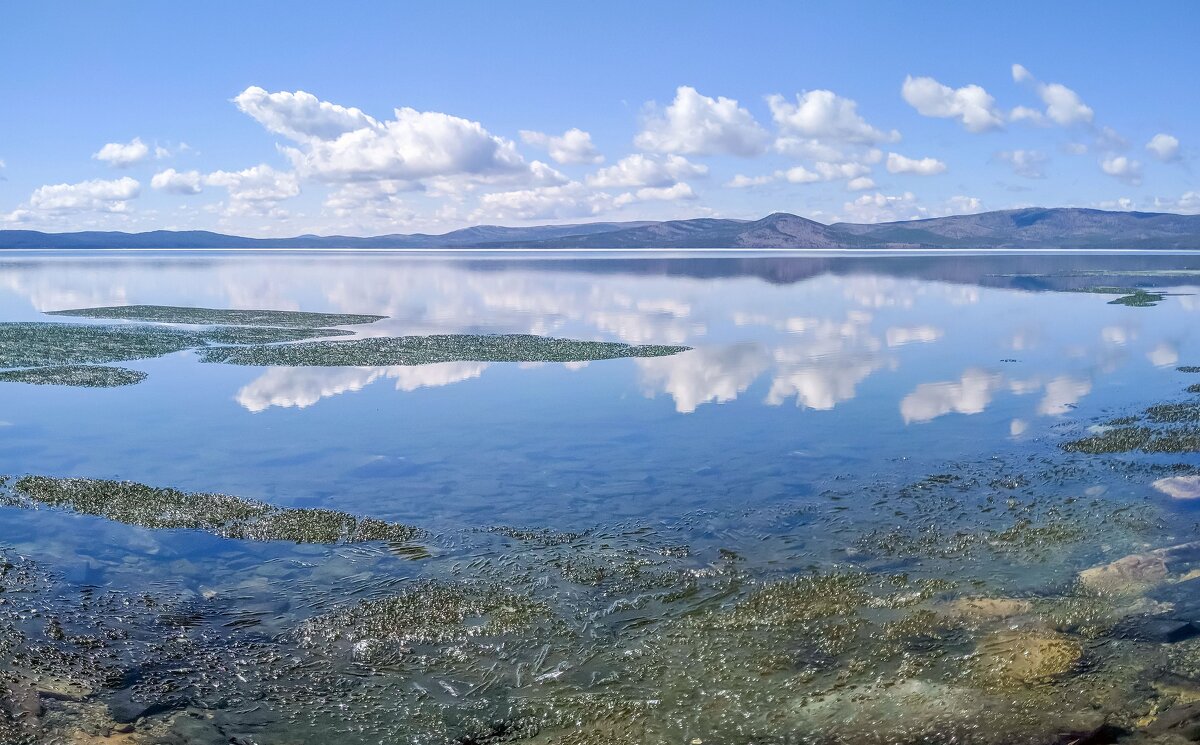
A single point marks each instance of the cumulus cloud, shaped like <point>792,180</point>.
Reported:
<point>339,144</point>
<point>695,124</point>
<point>971,105</point>
<point>123,155</point>
<point>674,193</point>
<point>97,195</point>
<point>741,181</point>
<point>256,190</point>
<point>1123,168</point>
<point>1026,163</point>
<point>897,163</point>
<point>1164,147</point>
<point>1063,105</point>
<point>370,200</point>
<point>175,182</point>
<point>544,202</point>
<point>646,170</point>
<point>1187,203</point>
<point>824,115</point>
<point>879,207</point>
<point>862,183</point>
<point>573,147</point>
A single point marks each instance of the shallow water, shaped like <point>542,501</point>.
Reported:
<point>767,537</point>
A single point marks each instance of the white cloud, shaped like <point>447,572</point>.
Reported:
<point>1063,105</point>
<point>571,147</point>
<point>543,202</point>
<point>369,200</point>
<point>862,183</point>
<point>257,190</point>
<point>677,192</point>
<point>824,115</point>
<point>1026,114</point>
<point>741,181</point>
<point>960,205</point>
<point>1188,203</point>
<point>1123,168</point>
<point>879,207</point>
<point>96,195</point>
<point>823,172</point>
<point>301,116</point>
<point>1027,163</point>
<point>175,182</point>
<point>971,105</point>
<point>897,163</point>
<point>1165,147</point>
<point>123,155</point>
<point>695,124</point>
<point>340,144</point>
<point>646,170</point>
<point>300,388</point>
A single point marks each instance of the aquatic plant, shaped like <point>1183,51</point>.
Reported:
<point>220,317</point>
<point>222,514</point>
<point>429,612</point>
<point>423,350</point>
<point>80,376</point>
<point>39,344</point>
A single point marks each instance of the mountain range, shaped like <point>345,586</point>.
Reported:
<point>1029,228</point>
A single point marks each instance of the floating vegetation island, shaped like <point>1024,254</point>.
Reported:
<point>424,350</point>
<point>65,353</point>
<point>78,376</point>
<point>220,317</point>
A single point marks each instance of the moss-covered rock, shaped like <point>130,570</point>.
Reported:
<point>222,514</point>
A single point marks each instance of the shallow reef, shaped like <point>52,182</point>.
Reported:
<point>79,376</point>
<point>423,350</point>
<point>221,514</point>
<point>220,317</point>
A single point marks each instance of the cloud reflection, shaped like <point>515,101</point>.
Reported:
<point>301,387</point>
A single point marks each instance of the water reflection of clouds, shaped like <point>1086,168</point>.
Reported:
<point>814,341</point>
<point>301,387</point>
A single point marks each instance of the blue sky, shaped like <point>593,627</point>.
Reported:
<point>364,118</point>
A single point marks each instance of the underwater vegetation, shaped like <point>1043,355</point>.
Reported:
<point>220,317</point>
<point>79,376</point>
<point>1133,297</point>
<point>221,514</point>
<point>37,344</point>
<point>423,350</point>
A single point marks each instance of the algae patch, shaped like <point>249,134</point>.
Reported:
<point>79,376</point>
<point>221,514</point>
<point>39,344</point>
<point>221,317</point>
<point>423,350</point>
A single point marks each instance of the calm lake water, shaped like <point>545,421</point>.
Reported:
<point>844,514</point>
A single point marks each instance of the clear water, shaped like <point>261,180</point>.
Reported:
<point>758,540</point>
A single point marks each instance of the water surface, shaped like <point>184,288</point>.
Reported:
<point>774,536</point>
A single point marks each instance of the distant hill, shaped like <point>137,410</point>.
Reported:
<point>1032,228</point>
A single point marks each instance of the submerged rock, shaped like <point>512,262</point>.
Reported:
<point>1128,575</point>
<point>222,317</point>
<point>1018,658</point>
<point>985,609</point>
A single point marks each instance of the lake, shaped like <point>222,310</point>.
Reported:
<point>711,498</point>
